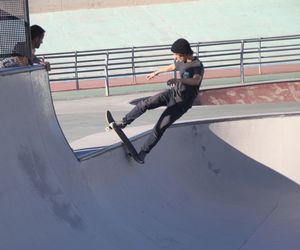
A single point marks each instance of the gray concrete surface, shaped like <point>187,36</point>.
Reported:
<point>229,181</point>
<point>85,116</point>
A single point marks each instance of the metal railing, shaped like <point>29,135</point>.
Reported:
<point>133,61</point>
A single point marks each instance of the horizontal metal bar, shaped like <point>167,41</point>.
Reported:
<point>131,61</point>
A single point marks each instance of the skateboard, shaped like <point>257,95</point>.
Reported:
<point>112,125</point>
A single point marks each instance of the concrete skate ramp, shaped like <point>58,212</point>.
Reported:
<point>215,184</point>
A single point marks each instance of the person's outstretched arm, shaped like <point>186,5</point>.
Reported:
<point>168,68</point>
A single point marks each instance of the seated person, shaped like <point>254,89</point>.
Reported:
<point>17,57</point>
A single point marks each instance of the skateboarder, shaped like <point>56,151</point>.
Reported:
<point>178,98</point>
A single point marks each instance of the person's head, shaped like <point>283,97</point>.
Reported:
<point>182,50</point>
<point>37,36</point>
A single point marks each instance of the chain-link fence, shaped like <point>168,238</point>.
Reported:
<point>14,29</point>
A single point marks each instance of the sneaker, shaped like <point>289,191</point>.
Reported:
<point>120,124</point>
<point>136,158</point>
<point>142,155</point>
<point>139,160</point>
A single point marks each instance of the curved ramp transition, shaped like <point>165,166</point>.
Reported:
<point>231,184</point>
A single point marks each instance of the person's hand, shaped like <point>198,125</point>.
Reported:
<point>151,76</point>
<point>46,64</point>
<point>172,82</point>
<point>22,60</point>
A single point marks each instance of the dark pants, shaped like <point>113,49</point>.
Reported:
<point>173,112</point>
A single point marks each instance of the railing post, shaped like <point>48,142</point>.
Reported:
<point>76,70</point>
<point>106,74</point>
<point>198,49</point>
<point>259,54</point>
<point>133,65</point>
<point>242,73</point>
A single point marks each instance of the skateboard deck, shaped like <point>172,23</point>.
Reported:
<point>112,125</point>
